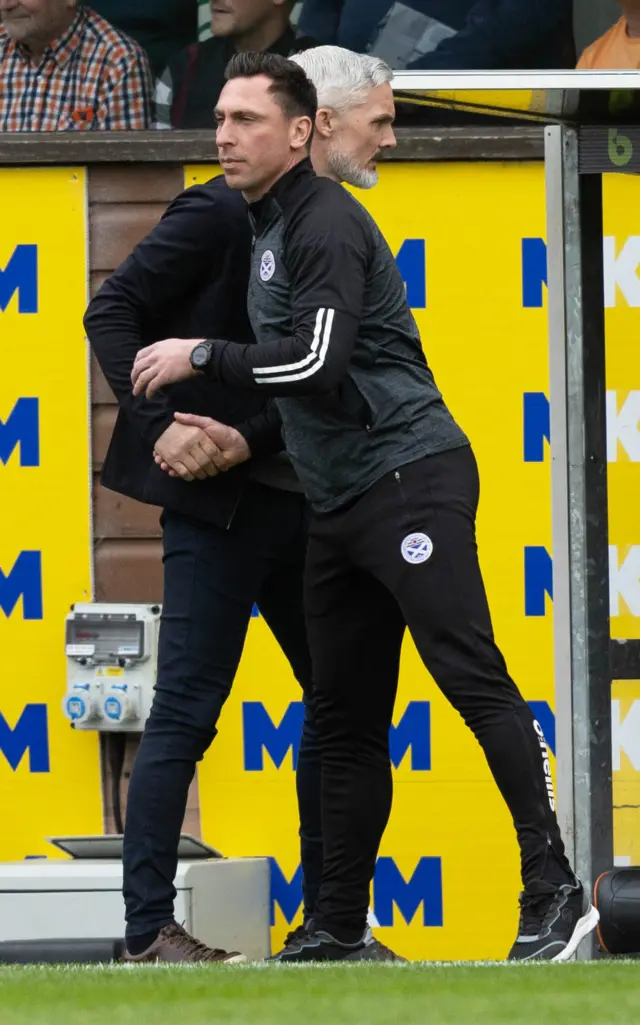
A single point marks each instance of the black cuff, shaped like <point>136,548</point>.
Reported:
<point>212,369</point>
<point>263,436</point>
<point>156,429</point>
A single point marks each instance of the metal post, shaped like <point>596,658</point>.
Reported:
<point>579,507</point>
<point>558,284</point>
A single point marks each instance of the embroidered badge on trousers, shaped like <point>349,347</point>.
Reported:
<point>416,548</point>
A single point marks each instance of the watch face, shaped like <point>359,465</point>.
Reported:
<point>200,356</point>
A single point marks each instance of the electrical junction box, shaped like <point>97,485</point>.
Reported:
<point>112,656</point>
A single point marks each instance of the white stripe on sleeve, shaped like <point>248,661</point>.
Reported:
<point>314,361</point>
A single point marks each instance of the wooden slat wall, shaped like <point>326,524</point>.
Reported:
<point>125,202</point>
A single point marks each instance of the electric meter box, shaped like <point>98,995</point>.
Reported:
<point>112,656</point>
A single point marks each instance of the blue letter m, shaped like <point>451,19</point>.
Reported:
<point>29,734</point>
<point>287,894</point>
<point>424,887</point>
<point>538,580</point>
<point>261,733</point>
<point>537,425</point>
<point>21,276</point>
<point>24,581</point>
<point>413,731</point>
<point>534,271</point>
<point>412,264</point>
<point>22,428</point>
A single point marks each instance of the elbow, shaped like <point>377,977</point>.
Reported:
<point>326,379</point>
<point>92,315</point>
<point>104,315</point>
<point>102,306</point>
<point>321,385</point>
<point>88,321</point>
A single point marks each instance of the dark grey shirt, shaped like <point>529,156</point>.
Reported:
<point>337,343</point>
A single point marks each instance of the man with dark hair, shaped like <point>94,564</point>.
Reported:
<point>188,90</point>
<point>394,489</point>
<point>229,539</point>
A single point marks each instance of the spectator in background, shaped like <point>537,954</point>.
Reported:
<point>439,35</point>
<point>162,27</point>
<point>188,91</point>
<point>619,48</point>
<point>62,67</point>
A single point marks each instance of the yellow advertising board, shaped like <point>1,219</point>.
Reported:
<point>49,777</point>
<point>469,240</point>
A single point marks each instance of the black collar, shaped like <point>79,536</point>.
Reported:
<point>289,180</point>
<point>282,187</point>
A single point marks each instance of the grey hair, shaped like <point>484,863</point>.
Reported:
<point>342,78</point>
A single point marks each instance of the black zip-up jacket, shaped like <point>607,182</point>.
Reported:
<point>185,280</point>
<point>338,344</point>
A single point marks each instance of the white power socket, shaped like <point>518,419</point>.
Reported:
<point>112,657</point>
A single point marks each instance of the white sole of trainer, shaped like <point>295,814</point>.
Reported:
<point>585,926</point>
<point>238,959</point>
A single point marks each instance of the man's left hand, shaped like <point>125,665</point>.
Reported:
<point>161,364</point>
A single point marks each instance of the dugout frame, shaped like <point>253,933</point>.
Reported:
<point>592,126</point>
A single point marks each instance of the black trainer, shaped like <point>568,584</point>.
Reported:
<point>375,951</point>
<point>553,922</point>
<point>306,943</point>
<point>295,934</point>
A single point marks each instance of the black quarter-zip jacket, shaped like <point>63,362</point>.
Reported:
<point>338,345</point>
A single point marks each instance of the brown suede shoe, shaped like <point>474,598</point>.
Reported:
<point>174,944</point>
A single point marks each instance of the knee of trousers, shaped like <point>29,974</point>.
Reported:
<point>334,719</point>
<point>309,738</point>
<point>483,703</point>
<point>344,735</point>
<point>177,735</point>
<point>363,748</point>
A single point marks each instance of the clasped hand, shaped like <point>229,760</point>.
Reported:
<point>193,446</point>
<point>199,447</point>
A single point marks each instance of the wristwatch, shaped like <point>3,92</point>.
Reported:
<point>201,356</point>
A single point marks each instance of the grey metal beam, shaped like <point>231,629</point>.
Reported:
<point>579,507</point>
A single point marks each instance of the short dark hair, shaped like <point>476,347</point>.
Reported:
<point>295,93</point>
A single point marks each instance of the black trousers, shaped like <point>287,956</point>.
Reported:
<point>212,577</point>
<point>367,580</point>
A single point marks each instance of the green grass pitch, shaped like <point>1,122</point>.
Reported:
<point>603,993</point>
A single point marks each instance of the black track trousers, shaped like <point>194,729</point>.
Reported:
<point>361,593</point>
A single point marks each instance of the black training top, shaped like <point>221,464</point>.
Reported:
<point>338,344</point>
